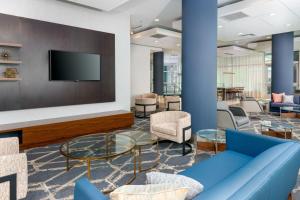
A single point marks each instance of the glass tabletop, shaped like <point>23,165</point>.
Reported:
<point>97,146</point>
<point>276,125</point>
<point>295,109</point>
<point>264,101</point>
<point>141,137</point>
<point>215,135</point>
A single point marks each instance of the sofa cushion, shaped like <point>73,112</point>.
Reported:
<point>240,121</point>
<point>288,98</point>
<point>166,127</point>
<point>277,98</point>
<point>150,191</point>
<point>194,187</point>
<point>210,172</point>
<point>296,99</point>
<point>233,183</point>
<point>283,104</point>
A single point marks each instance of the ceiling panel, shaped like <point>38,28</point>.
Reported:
<point>105,5</point>
<point>233,30</point>
<point>293,5</point>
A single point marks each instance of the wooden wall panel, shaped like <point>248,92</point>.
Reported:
<point>38,37</point>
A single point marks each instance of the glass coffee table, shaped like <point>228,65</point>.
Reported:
<point>213,135</point>
<point>143,139</point>
<point>278,128</point>
<point>102,146</point>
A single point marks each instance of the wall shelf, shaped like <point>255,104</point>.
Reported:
<point>16,45</point>
<point>10,62</point>
<point>10,79</point>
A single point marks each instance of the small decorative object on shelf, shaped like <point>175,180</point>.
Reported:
<point>5,55</point>
<point>11,73</point>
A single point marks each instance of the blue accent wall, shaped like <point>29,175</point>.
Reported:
<point>158,73</point>
<point>282,63</point>
<point>199,60</point>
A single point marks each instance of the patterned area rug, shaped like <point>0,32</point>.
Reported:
<point>48,178</point>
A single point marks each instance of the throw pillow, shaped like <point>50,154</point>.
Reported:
<point>277,98</point>
<point>194,187</point>
<point>288,98</point>
<point>149,192</point>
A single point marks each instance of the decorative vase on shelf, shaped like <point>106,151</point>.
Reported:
<point>10,73</point>
<point>5,55</point>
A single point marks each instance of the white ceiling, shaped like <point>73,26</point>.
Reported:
<point>230,51</point>
<point>264,18</point>
<point>105,5</point>
<point>158,37</point>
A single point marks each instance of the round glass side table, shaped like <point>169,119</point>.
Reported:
<point>216,136</point>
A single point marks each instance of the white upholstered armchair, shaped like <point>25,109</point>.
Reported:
<point>172,125</point>
<point>145,104</point>
<point>173,102</point>
<point>13,170</point>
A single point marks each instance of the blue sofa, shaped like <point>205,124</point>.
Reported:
<point>275,107</point>
<point>254,167</point>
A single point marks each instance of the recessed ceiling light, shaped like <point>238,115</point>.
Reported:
<point>156,41</point>
<point>156,20</point>
<point>288,25</point>
<point>220,26</point>
<point>272,14</point>
<point>131,32</point>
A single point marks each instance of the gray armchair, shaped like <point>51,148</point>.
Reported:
<point>251,106</point>
<point>231,116</point>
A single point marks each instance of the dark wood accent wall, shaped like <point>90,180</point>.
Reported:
<point>35,90</point>
<point>41,135</point>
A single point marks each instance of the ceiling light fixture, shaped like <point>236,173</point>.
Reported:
<point>156,20</point>
<point>156,41</point>
<point>131,33</point>
<point>272,14</point>
<point>241,34</point>
<point>288,25</point>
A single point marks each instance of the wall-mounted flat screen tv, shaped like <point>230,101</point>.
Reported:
<point>74,66</point>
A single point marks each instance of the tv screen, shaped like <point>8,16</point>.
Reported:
<point>74,66</point>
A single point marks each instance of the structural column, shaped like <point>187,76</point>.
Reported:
<point>199,54</point>
<point>282,63</point>
<point>158,73</point>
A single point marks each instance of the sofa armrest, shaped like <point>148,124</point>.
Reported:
<point>9,146</point>
<point>84,190</point>
<point>251,144</point>
<point>238,111</point>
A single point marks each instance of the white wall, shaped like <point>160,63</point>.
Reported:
<point>140,70</point>
<point>67,14</point>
